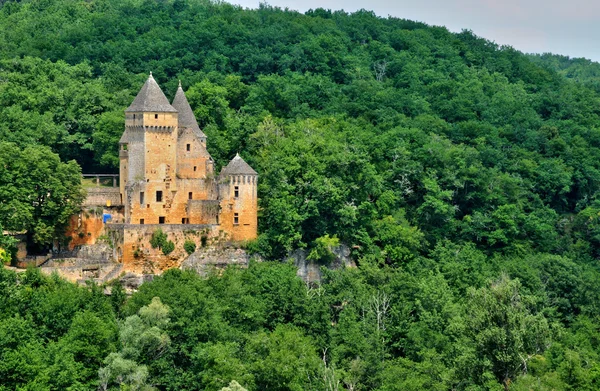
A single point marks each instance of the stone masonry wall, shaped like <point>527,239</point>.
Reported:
<point>132,244</point>
<point>245,205</point>
<point>87,226</point>
<point>103,196</point>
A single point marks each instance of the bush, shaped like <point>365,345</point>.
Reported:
<point>322,250</point>
<point>168,247</point>
<point>189,246</point>
<point>158,239</point>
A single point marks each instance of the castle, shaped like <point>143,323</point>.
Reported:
<point>167,182</point>
<point>167,175</point>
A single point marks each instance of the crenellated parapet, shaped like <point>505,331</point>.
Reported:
<point>160,129</point>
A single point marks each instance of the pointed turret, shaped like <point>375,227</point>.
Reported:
<point>187,119</point>
<point>151,98</point>
<point>237,166</point>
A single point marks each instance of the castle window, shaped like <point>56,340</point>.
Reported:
<point>134,116</point>
<point>155,116</point>
<point>142,221</point>
<point>159,196</point>
<point>194,168</point>
<point>236,191</point>
<point>187,147</point>
<point>161,219</point>
<point>236,219</point>
<point>190,194</point>
<point>141,197</point>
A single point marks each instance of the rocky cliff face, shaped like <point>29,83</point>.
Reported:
<point>216,257</point>
<point>310,271</point>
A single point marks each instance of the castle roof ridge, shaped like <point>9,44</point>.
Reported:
<point>151,98</point>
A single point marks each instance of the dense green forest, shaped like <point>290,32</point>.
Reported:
<point>464,176</point>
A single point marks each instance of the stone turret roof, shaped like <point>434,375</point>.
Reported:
<point>237,166</point>
<point>124,138</point>
<point>151,98</point>
<point>187,119</point>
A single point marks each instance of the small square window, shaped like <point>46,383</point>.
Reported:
<point>236,219</point>
<point>159,196</point>
<point>190,195</point>
<point>155,116</point>
<point>188,147</point>
<point>236,191</point>
<point>142,221</point>
<point>161,220</point>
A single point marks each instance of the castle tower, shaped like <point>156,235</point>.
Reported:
<point>194,160</point>
<point>238,199</point>
<point>196,199</point>
<point>148,156</point>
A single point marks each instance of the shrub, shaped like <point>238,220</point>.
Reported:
<point>322,250</point>
<point>158,239</point>
<point>168,247</point>
<point>189,246</point>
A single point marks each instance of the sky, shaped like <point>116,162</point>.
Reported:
<point>569,28</point>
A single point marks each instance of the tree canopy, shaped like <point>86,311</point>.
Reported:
<point>463,175</point>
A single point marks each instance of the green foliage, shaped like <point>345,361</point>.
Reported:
<point>443,160</point>
<point>41,192</point>
<point>7,247</point>
<point>168,247</point>
<point>322,250</point>
<point>142,339</point>
<point>189,246</point>
<point>233,386</point>
<point>504,331</point>
<point>158,238</point>
<point>53,334</point>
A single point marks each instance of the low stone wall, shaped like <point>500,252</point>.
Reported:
<point>103,196</point>
<point>32,261</point>
<point>99,273</point>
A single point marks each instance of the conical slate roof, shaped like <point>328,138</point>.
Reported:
<point>237,166</point>
<point>187,119</point>
<point>151,98</point>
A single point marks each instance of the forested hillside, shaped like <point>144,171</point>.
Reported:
<point>464,176</point>
<point>582,70</point>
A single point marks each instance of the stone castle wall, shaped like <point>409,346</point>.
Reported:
<point>87,226</point>
<point>103,196</point>
<point>131,243</point>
